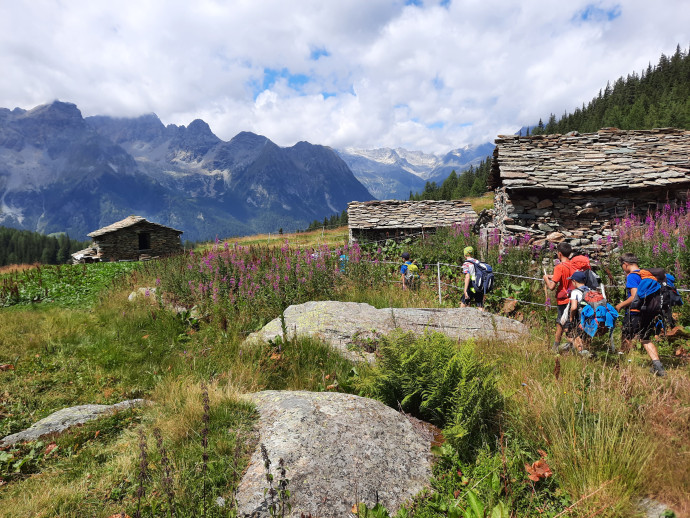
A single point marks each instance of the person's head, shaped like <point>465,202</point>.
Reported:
<point>629,262</point>
<point>564,250</point>
<point>468,251</point>
<point>406,256</point>
<point>578,279</point>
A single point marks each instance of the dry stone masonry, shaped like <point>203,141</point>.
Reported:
<point>571,187</point>
<point>130,239</point>
<point>375,220</point>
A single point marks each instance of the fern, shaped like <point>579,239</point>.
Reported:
<point>438,380</point>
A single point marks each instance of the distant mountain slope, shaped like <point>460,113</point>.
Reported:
<point>60,172</point>
<point>394,173</point>
<point>658,97</point>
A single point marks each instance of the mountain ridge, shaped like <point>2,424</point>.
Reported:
<point>62,172</point>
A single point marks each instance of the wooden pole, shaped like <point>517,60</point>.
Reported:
<point>438,278</point>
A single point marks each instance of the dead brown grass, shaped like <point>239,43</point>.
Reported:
<point>17,268</point>
<point>331,237</point>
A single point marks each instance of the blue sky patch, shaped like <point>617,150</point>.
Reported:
<point>326,95</point>
<point>294,81</point>
<point>417,3</point>
<point>436,125</point>
<point>594,13</point>
<point>319,53</point>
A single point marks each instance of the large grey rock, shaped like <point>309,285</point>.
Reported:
<point>339,449</point>
<point>346,325</point>
<point>59,421</point>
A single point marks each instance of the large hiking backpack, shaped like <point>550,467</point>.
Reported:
<point>581,264</point>
<point>483,277</point>
<point>597,316</point>
<point>657,295</point>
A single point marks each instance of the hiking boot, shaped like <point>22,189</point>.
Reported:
<point>568,346</point>
<point>657,369</point>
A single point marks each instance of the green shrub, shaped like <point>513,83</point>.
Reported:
<point>438,380</point>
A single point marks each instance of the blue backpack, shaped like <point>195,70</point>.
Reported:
<point>483,277</point>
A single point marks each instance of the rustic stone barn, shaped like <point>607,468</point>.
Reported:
<point>132,239</point>
<point>391,219</point>
<point>573,186</point>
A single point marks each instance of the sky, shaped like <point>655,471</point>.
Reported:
<point>422,75</point>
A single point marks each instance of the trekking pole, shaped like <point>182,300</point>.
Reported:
<point>438,278</point>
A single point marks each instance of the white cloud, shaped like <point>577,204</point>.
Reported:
<point>361,73</point>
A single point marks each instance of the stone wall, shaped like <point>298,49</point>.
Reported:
<point>583,219</point>
<point>123,244</point>
<point>390,219</point>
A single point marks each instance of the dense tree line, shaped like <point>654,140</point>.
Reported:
<point>335,220</point>
<point>24,246</point>
<point>658,97</point>
<point>471,182</point>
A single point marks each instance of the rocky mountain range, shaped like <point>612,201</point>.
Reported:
<point>60,171</point>
<point>393,173</point>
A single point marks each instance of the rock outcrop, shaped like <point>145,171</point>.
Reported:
<point>348,326</point>
<point>64,419</point>
<point>339,449</point>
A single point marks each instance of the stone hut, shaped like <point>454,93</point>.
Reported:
<point>132,239</point>
<point>571,187</point>
<point>391,219</point>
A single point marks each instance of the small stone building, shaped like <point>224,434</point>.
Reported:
<point>132,239</point>
<point>390,219</point>
<point>573,186</point>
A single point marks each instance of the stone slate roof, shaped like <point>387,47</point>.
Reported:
<point>127,222</point>
<point>610,159</point>
<point>391,214</point>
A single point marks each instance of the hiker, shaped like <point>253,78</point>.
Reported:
<point>560,282</point>
<point>637,323</point>
<point>409,272</point>
<point>580,339</point>
<point>471,292</point>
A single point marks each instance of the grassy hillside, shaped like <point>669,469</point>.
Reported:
<point>608,431</point>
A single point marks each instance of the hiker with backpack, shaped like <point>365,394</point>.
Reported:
<point>580,339</point>
<point>479,279</point>
<point>561,283</point>
<point>409,272</point>
<point>640,317</point>
<point>590,314</point>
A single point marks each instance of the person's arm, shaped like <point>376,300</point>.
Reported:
<point>573,309</point>
<point>628,301</point>
<point>550,284</point>
<point>467,284</point>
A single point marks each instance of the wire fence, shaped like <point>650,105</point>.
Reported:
<point>440,285</point>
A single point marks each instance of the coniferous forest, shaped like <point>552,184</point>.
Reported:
<point>471,182</point>
<point>658,97</point>
<point>24,246</point>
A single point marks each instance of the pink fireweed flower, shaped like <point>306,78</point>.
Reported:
<point>655,250</point>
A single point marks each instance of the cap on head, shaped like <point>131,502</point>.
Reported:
<point>578,277</point>
<point>405,255</point>
<point>468,251</point>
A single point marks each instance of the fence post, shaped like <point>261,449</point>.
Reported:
<point>269,239</point>
<point>438,276</point>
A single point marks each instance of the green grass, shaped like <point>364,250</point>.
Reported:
<point>65,285</point>
<point>602,423</point>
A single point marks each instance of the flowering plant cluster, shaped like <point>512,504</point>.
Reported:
<point>262,281</point>
<point>659,239</point>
